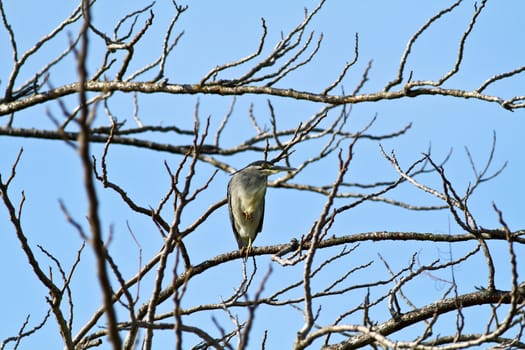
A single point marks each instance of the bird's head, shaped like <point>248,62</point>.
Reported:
<point>266,168</point>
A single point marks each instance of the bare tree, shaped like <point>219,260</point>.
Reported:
<point>152,263</point>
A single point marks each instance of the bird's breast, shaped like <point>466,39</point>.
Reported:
<point>252,201</point>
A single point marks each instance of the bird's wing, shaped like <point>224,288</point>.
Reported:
<point>259,228</point>
<point>232,217</point>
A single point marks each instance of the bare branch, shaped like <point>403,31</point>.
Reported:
<point>459,57</point>
<point>93,216</point>
<point>499,77</point>
<point>23,333</point>
<point>411,42</point>
<point>346,67</point>
<point>213,73</point>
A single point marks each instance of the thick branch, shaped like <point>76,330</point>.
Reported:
<point>427,312</point>
<point>189,89</point>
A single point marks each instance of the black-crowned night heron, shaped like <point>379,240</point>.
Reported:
<point>246,191</point>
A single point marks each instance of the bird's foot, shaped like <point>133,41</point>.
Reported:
<point>246,251</point>
<point>247,215</point>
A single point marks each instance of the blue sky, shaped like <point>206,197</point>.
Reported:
<point>219,32</point>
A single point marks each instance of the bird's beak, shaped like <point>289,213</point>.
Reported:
<point>277,169</point>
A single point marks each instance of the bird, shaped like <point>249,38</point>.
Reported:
<point>246,192</point>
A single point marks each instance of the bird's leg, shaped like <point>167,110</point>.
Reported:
<point>245,251</point>
<point>248,250</point>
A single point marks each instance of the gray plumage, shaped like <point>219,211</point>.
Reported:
<point>246,192</point>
